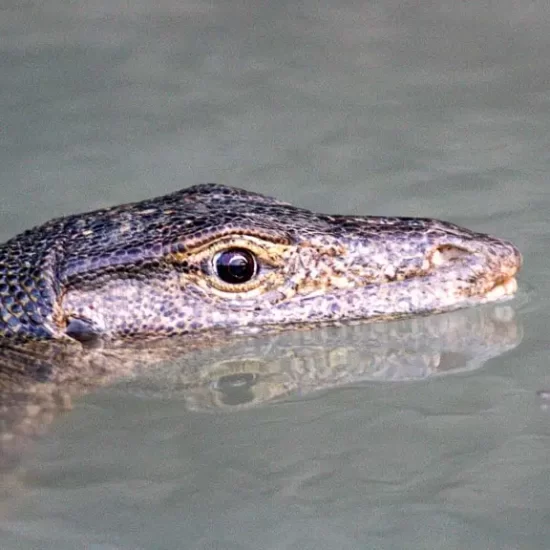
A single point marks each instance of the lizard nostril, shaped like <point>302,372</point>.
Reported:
<point>446,254</point>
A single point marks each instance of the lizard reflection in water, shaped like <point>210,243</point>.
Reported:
<point>204,265</point>
<point>234,373</point>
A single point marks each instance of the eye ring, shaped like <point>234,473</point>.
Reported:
<point>235,265</point>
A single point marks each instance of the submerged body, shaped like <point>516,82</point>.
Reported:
<point>214,257</point>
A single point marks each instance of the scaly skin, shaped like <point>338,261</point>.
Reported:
<point>146,269</point>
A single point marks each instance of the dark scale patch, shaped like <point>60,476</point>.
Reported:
<point>30,308</point>
<point>96,278</point>
<point>179,247</point>
<point>28,284</point>
<point>13,324</point>
<point>30,281</point>
<point>16,309</point>
<point>11,279</point>
<point>81,329</point>
<point>42,284</point>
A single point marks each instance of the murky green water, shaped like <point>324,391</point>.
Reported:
<point>430,433</point>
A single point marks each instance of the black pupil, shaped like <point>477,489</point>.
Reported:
<point>235,266</point>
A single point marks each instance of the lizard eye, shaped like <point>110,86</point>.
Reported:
<point>235,265</point>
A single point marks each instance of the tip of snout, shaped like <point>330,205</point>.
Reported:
<point>507,263</point>
<point>490,264</point>
<point>510,258</point>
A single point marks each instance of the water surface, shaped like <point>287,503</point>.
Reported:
<point>424,108</point>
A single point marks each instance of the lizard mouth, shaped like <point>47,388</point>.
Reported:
<point>508,287</point>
